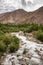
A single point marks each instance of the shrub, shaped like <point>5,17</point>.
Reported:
<point>1,53</point>
<point>14,44</point>
<point>2,47</point>
<point>7,40</point>
<point>39,35</point>
<point>13,47</point>
<point>15,39</point>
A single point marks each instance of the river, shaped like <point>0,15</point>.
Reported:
<point>33,56</point>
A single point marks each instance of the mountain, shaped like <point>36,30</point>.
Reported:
<point>20,16</point>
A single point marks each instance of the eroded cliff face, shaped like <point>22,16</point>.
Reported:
<point>27,5</point>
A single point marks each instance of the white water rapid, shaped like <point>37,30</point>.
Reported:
<point>33,56</point>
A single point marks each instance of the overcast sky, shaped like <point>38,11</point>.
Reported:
<point>28,5</point>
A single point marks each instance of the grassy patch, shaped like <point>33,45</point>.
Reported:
<point>39,35</point>
<point>8,41</point>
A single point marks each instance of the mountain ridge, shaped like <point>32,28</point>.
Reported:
<point>20,16</point>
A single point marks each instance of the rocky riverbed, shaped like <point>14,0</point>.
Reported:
<point>29,53</point>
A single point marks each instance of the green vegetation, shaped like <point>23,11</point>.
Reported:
<point>24,52</point>
<point>39,35</point>
<point>4,28</point>
<point>12,41</point>
<point>8,41</point>
<point>15,45</point>
<point>2,48</point>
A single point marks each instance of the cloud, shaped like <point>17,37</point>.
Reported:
<point>28,5</point>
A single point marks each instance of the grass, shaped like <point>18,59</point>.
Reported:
<point>39,35</point>
<point>8,41</point>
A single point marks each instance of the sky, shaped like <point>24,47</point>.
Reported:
<point>27,5</point>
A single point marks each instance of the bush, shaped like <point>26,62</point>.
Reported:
<point>14,44</point>
<point>1,53</point>
<point>39,35</point>
<point>12,41</point>
<point>2,47</point>
<point>7,40</point>
<point>13,47</point>
<point>15,39</point>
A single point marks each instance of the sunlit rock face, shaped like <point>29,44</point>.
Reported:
<point>27,5</point>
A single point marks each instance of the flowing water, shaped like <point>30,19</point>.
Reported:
<point>33,56</point>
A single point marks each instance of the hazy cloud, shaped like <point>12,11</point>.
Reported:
<point>28,5</point>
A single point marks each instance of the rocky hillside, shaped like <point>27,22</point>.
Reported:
<point>21,16</point>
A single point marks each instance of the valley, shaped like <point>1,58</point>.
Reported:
<point>21,32</point>
<point>21,44</point>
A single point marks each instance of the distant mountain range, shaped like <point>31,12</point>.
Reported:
<point>20,16</point>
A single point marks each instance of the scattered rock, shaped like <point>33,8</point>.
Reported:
<point>38,49</point>
<point>21,33</point>
<point>20,57</point>
<point>29,55</point>
<point>41,57</point>
<point>21,43</point>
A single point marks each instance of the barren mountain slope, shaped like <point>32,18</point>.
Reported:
<point>21,16</point>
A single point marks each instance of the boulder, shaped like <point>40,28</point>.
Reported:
<point>21,33</point>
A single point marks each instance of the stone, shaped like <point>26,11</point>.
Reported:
<point>38,49</point>
<point>21,33</point>
<point>20,57</point>
<point>29,55</point>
